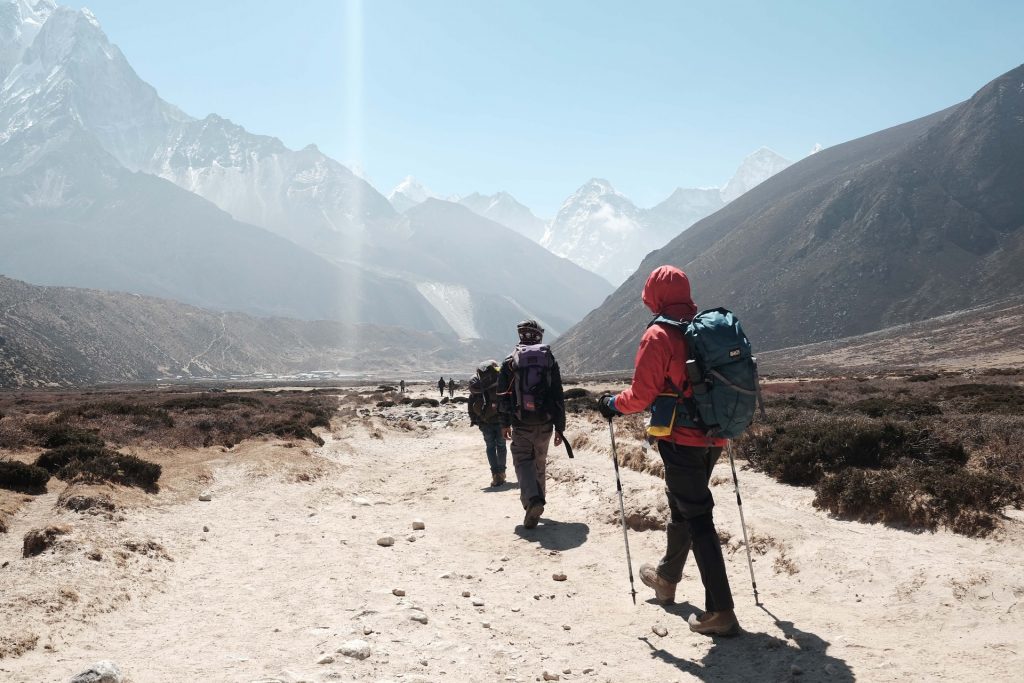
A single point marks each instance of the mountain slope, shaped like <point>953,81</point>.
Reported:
<point>62,336</point>
<point>503,208</point>
<point>487,272</point>
<point>905,224</point>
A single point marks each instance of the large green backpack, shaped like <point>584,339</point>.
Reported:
<point>722,372</point>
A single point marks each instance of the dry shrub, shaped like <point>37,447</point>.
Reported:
<point>579,440</point>
<point>919,496</point>
<point>148,548</point>
<point>96,464</point>
<point>59,433</point>
<point>907,408</point>
<point>421,402</point>
<point>37,541</point>
<point>574,393</point>
<point>17,644</point>
<point>1004,399</point>
<point>903,474</point>
<point>22,477</point>
<point>81,502</point>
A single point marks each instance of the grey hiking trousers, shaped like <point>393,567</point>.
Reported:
<point>530,459</point>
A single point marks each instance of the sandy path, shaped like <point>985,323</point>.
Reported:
<point>289,571</point>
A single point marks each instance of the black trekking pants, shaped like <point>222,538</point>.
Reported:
<point>687,473</point>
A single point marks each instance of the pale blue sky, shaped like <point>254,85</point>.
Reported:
<point>536,97</point>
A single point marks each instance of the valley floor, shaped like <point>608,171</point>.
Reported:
<point>290,569</point>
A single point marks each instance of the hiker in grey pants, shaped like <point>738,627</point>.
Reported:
<point>531,407</point>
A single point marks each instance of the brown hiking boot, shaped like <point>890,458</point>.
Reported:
<point>495,479</point>
<point>533,514</point>
<point>664,591</point>
<point>501,478</point>
<point>722,623</point>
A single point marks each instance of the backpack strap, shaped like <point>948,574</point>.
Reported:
<point>686,401</point>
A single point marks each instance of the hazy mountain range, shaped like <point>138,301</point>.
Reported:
<point>103,184</point>
<point>909,223</point>
<point>601,229</point>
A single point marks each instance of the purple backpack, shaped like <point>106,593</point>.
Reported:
<point>532,365</point>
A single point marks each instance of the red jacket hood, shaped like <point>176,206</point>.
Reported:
<point>667,293</point>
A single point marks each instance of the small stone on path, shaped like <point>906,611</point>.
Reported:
<point>559,576</point>
<point>477,602</point>
<point>419,616</point>
<point>205,497</point>
<point>356,649</point>
<point>551,677</point>
<point>398,591</point>
<point>466,594</point>
<point>410,538</point>
<point>659,630</point>
<point>567,627</point>
<point>101,672</point>
<point>418,525</point>
<point>367,630</point>
<point>361,501</point>
<point>386,541</point>
<point>206,529</point>
<point>326,659</point>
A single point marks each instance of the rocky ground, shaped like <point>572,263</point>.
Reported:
<point>306,564</point>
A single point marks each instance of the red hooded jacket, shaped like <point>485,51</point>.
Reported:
<point>661,359</point>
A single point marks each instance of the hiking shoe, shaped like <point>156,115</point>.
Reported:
<point>501,478</point>
<point>664,591</point>
<point>495,479</point>
<point>722,623</point>
<point>533,514</point>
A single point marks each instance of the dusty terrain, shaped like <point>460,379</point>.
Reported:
<point>282,567</point>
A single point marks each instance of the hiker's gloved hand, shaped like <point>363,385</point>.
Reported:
<point>606,406</point>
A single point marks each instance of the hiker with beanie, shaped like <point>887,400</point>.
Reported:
<point>483,413</point>
<point>440,385</point>
<point>530,407</point>
<point>688,453</point>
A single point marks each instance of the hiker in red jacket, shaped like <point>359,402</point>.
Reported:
<point>689,456</point>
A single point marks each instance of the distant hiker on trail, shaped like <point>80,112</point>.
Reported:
<point>441,385</point>
<point>530,407</point>
<point>451,388</point>
<point>688,453</point>
<point>483,412</point>
<point>401,387</point>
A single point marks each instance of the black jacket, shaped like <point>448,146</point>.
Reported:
<point>554,401</point>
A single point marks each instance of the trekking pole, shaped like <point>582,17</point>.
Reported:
<point>622,509</point>
<point>743,524</point>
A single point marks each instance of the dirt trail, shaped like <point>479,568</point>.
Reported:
<point>289,570</point>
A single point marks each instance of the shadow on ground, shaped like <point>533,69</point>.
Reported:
<point>798,655</point>
<point>554,535</point>
<point>507,486</point>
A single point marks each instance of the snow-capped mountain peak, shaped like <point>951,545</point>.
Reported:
<point>755,169</point>
<point>409,193</point>
<point>502,207</point>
